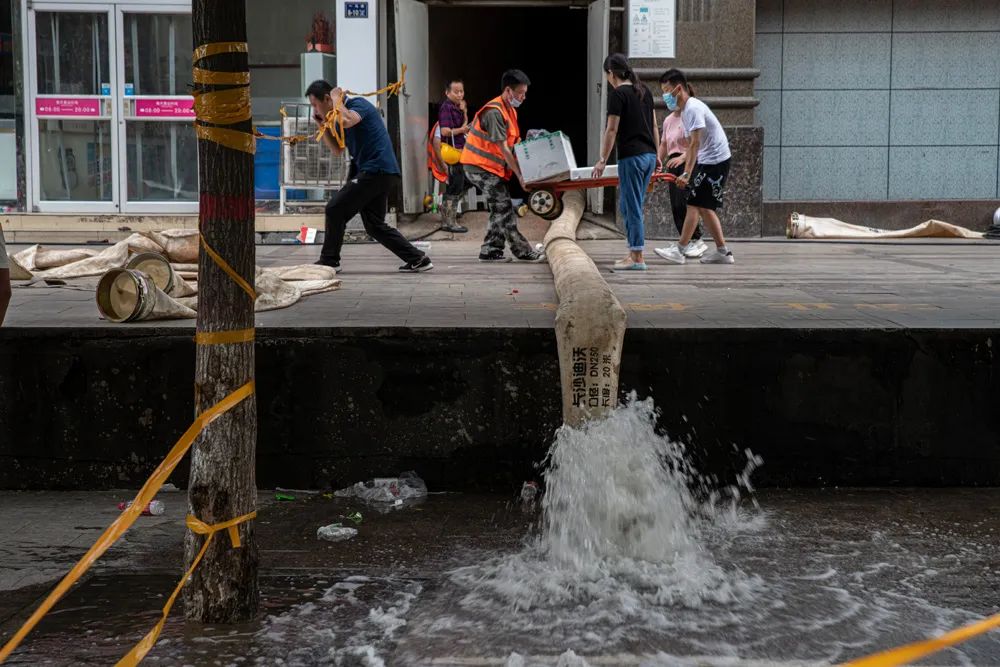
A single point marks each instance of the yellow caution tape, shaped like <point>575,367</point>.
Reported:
<point>200,75</point>
<point>227,107</point>
<point>332,120</point>
<point>216,48</point>
<point>224,337</point>
<point>391,89</point>
<point>334,126</point>
<point>237,278</point>
<point>292,138</point>
<point>223,107</point>
<point>146,644</point>
<point>235,139</point>
<point>910,652</point>
<point>130,514</point>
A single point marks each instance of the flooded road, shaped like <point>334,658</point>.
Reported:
<point>828,575</point>
<point>630,561</point>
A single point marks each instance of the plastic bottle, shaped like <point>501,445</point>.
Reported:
<point>529,493</point>
<point>154,508</point>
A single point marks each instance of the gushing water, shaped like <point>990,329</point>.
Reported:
<point>622,538</point>
<point>618,490</point>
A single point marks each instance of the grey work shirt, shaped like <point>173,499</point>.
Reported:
<point>494,125</point>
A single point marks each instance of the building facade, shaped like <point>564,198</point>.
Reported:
<point>866,110</point>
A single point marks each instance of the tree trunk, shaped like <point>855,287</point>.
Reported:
<point>590,322</point>
<point>224,588</point>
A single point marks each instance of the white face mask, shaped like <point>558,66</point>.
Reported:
<point>514,102</point>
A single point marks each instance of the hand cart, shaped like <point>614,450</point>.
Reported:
<point>545,198</point>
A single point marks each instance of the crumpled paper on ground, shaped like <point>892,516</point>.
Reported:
<point>277,287</point>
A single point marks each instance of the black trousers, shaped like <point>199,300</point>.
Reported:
<point>678,202</point>
<point>367,194</point>
<point>456,182</point>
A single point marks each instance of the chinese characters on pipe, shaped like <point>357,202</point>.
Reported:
<point>592,378</point>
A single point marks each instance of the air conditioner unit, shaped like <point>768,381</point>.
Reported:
<point>309,163</point>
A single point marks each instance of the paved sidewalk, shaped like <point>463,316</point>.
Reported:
<point>778,283</point>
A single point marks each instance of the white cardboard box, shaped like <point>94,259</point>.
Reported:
<point>545,158</point>
<point>586,173</point>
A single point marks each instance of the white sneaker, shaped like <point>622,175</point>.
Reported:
<point>671,253</point>
<point>629,265</point>
<point>719,257</point>
<point>695,249</point>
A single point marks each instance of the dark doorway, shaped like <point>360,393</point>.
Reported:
<point>477,44</point>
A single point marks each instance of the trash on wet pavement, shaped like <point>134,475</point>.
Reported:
<point>529,493</point>
<point>307,234</point>
<point>392,490</point>
<point>335,532</point>
<point>154,508</point>
<point>284,496</point>
<point>301,492</point>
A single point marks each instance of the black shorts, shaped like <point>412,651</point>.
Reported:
<point>707,185</point>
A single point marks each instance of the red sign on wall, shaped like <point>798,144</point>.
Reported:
<point>168,107</point>
<point>67,106</point>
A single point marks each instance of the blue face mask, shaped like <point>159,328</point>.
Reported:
<point>670,101</point>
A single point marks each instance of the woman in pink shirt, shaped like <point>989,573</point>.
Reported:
<point>670,154</point>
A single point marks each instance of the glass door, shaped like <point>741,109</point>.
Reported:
<point>72,110</point>
<point>160,149</point>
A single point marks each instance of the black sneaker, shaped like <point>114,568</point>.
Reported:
<point>424,264</point>
<point>454,228</point>
<point>321,262</point>
<point>534,256</point>
<point>494,256</point>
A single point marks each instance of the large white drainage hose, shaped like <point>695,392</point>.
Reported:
<point>590,321</point>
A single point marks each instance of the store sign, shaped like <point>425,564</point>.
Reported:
<point>652,29</point>
<point>355,10</point>
<point>62,106</point>
<point>170,107</point>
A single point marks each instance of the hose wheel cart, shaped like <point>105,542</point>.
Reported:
<point>545,198</point>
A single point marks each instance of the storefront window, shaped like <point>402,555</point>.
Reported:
<point>72,53</point>
<point>6,61</point>
<point>8,143</point>
<point>157,54</point>
<point>75,160</point>
<point>163,159</point>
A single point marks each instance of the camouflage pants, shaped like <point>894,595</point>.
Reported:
<point>503,220</point>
